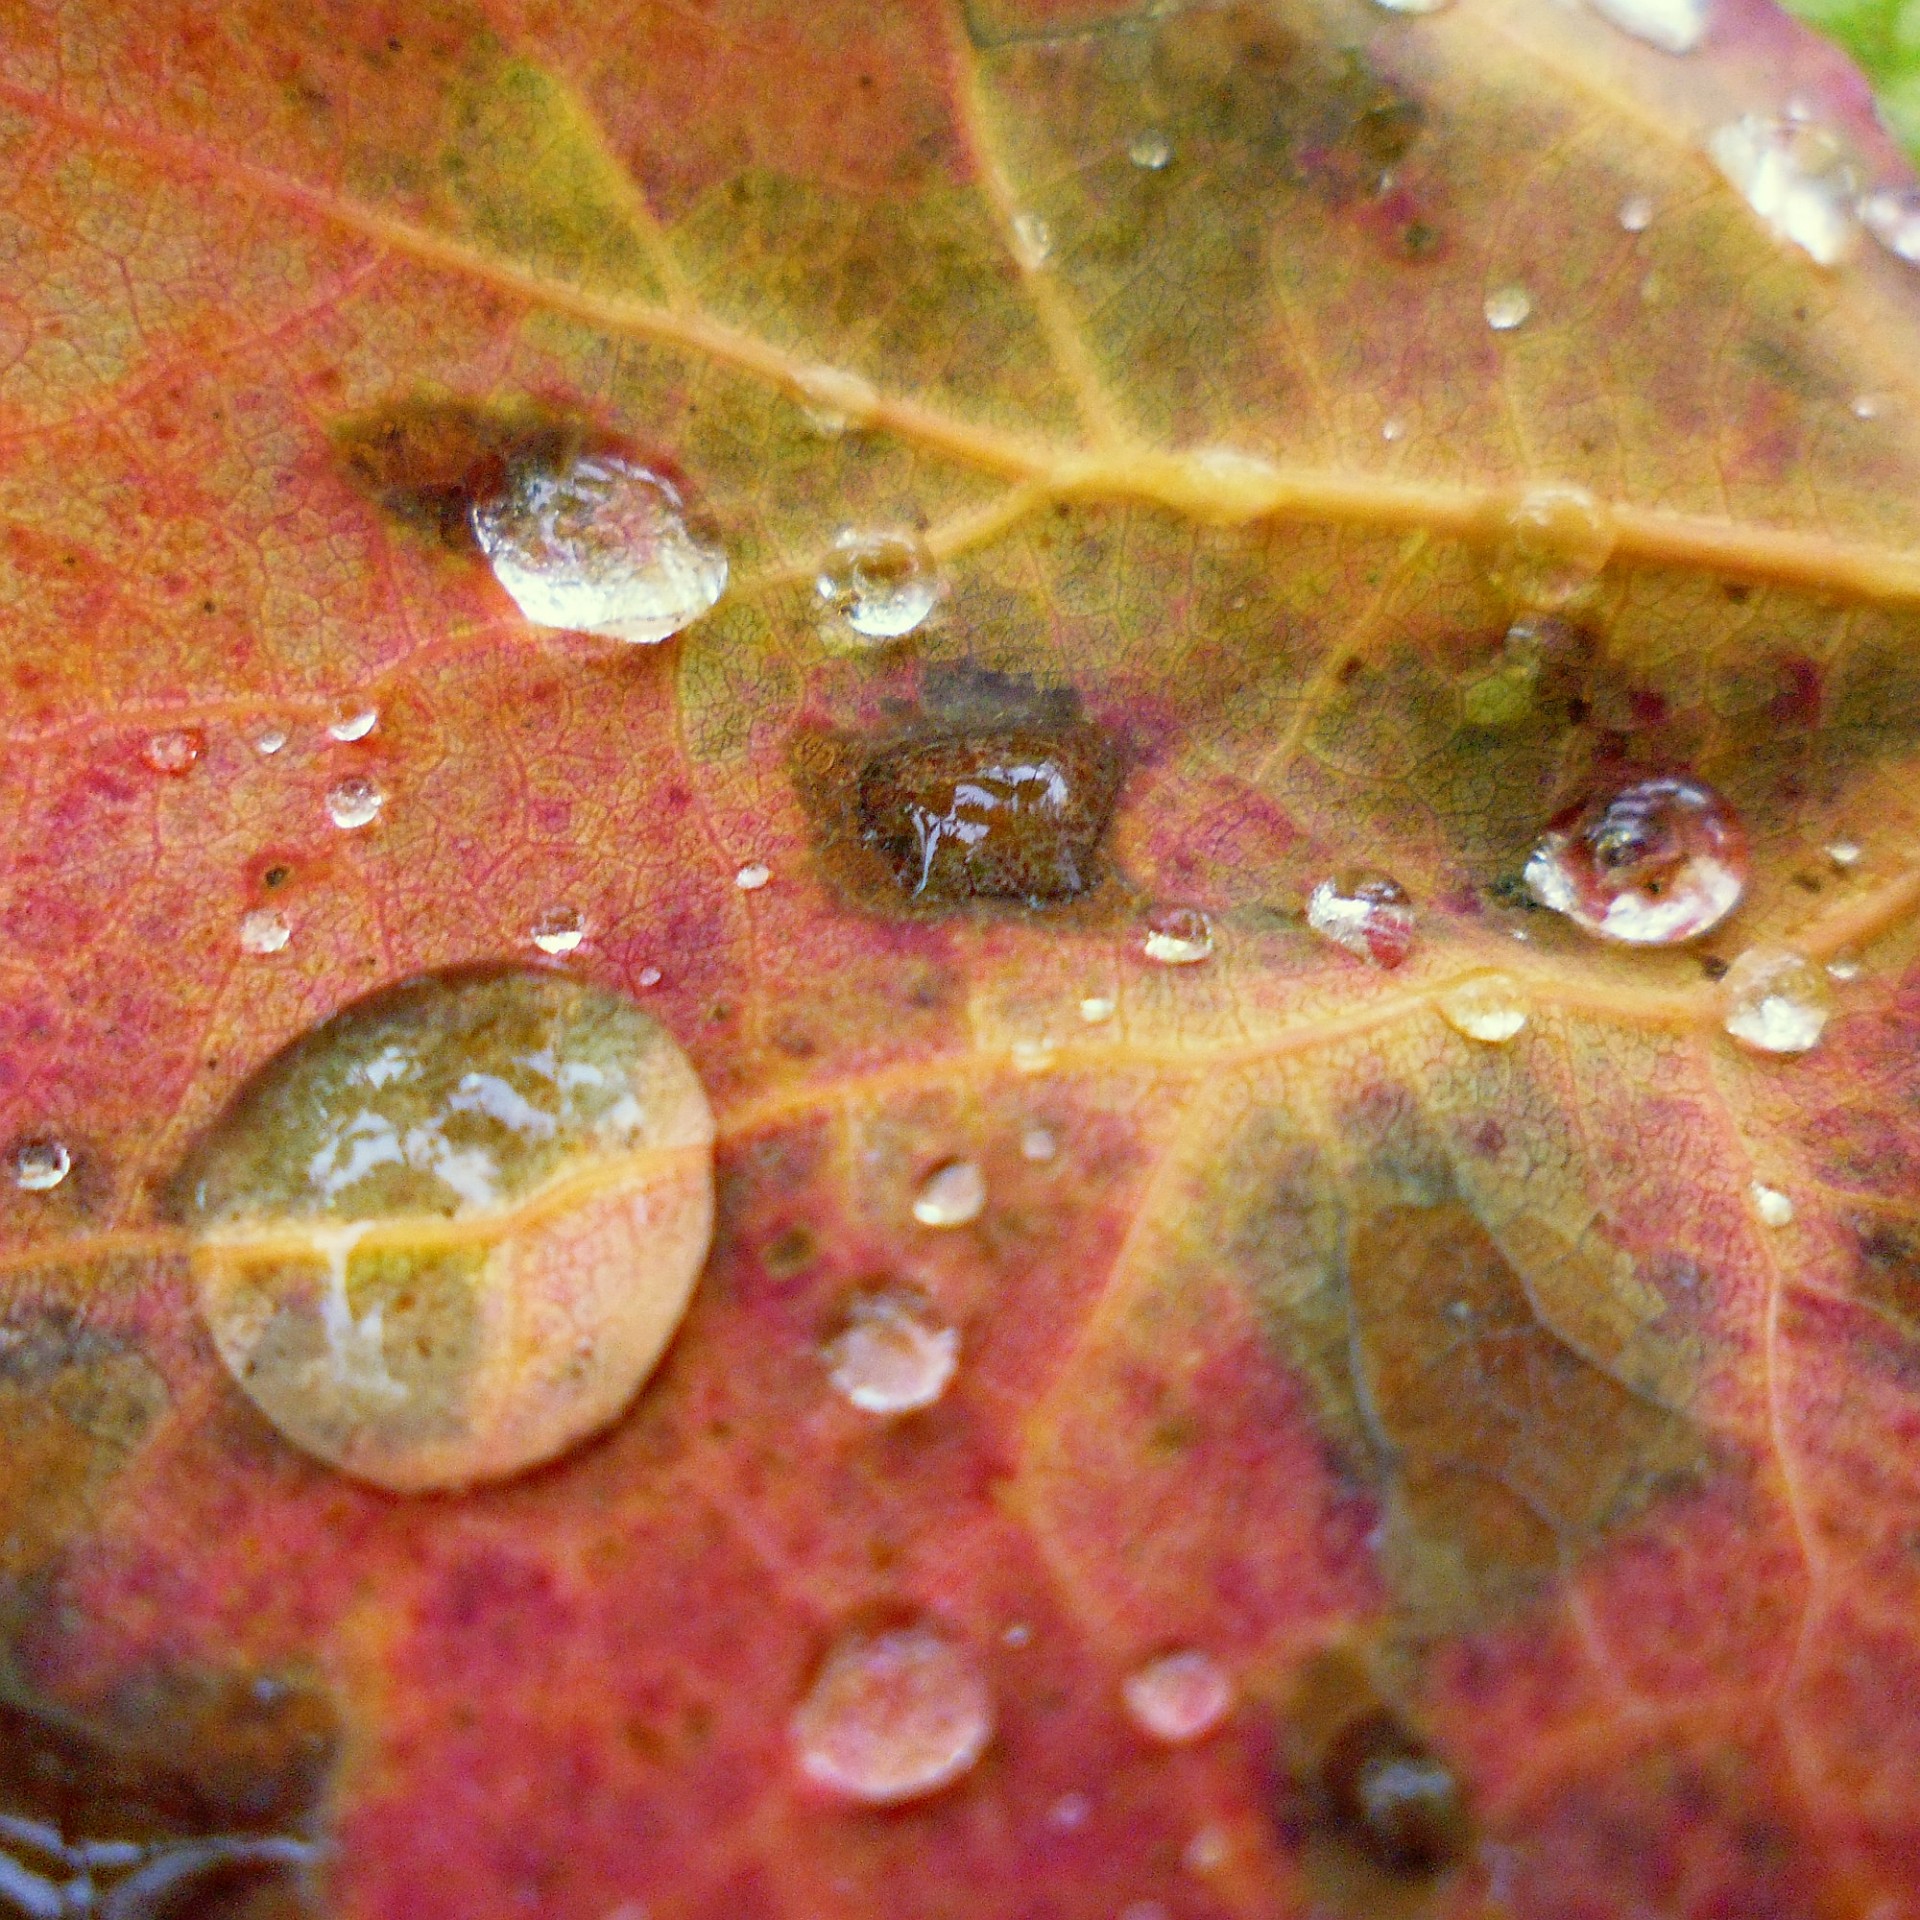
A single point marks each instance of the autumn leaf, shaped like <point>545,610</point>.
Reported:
<point>1256,721</point>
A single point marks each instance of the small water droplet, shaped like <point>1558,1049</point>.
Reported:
<point>1507,308</point>
<point>1844,967</point>
<point>893,1716</point>
<point>1413,6</point>
<point>1844,853</point>
<point>1150,149</point>
<point>1554,543</point>
<point>882,585</point>
<point>1776,1000</point>
<point>1636,212</point>
<point>752,877</point>
<point>1674,26</point>
<point>1489,1008</point>
<point>1097,1007</point>
<point>601,544</point>
<point>1032,241</point>
<point>1179,1697</point>
<point>1394,429</point>
<point>176,751</point>
<point>1656,863</point>
<point>951,1195</point>
<point>560,930</point>
<point>1366,913</point>
<point>894,1354</point>
<point>1017,1635</point>
<point>1774,1207</point>
<point>1892,216</point>
<point>1795,177</point>
<point>1865,406</point>
<point>354,724</point>
<point>269,740</point>
<point>1032,1056</point>
<point>40,1165</point>
<point>834,400</point>
<point>1038,1143</point>
<point>264,931</point>
<point>1070,1812</point>
<point>355,801</point>
<point>1179,937</point>
<point>1208,1851</point>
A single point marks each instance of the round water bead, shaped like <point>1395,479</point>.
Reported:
<point>449,1232</point>
<point>353,723</point>
<point>264,931</point>
<point>951,1195</point>
<point>1776,1000</point>
<point>1507,308</point>
<point>1367,913</point>
<point>558,930</point>
<point>40,1165</point>
<point>1554,542</point>
<point>1179,937</point>
<point>175,752</point>
<point>1150,150</point>
<point>1489,1008</point>
<point>355,801</point>
<point>1652,864</point>
<point>598,543</point>
<point>881,584</point>
<point>893,1716</point>
<point>1179,1697</point>
<point>894,1355</point>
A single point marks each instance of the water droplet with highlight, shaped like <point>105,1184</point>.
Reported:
<point>1892,216</point>
<point>448,1233</point>
<point>1489,1008</point>
<point>1032,241</point>
<point>1413,6</point>
<point>1844,967</point>
<point>1208,1851</point>
<point>1776,1000</point>
<point>1655,863</point>
<point>881,585</point>
<point>264,931</point>
<point>893,1716</point>
<point>1095,1008</point>
<point>1507,308</point>
<point>1366,913</point>
<point>176,751</point>
<point>40,1165</point>
<point>1554,543</point>
<point>1179,937</point>
<point>269,740</point>
<point>598,543</point>
<point>1394,429</point>
<point>1150,149</point>
<point>649,977</point>
<point>834,400</point>
<point>1844,853</point>
<point>1636,213</point>
<point>355,801</point>
<point>951,1195</point>
<point>1865,406</point>
<point>354,724</point>
<point>1674,26</point>
<point>1774,1207</point>
<point>1179,1697</point>
<point>558,930</point>
<point>1038,1143</point>
<point>894,1355</point>
<point>1795,177</point>
<point>753,876</point>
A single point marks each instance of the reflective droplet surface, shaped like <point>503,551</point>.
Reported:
<point>1150,149</point>
<point>1655,863</point>
<point>1776,1000</point>
<point>1179,1697</point>
<point>1394,429</point>
<point>1844,853</point>
<point>1096,1008</point>
<point>1038,1143</point>
<point>895,1355</point>
<point>176,751</point>
<point>1795,177</point>
<point>834,400</point>
<point>264,931</point>
<point>269,740</point>
<point>1490,1009</point>
<point>40,1165</point>
<point>893,1716</point>
<point>1554,543</point>
<point>558,930</point>
<point>1413,6</point>
<point>951,1195</point>
<point>1032,240</point>
<point>1674,26</point>
<point>1392,1798</point>
<point>355,801</point>
<point>753,876</point>
<point>1636,213</point>
<point>355,723</point>
<point>1774,1207</point>
<point>1366,913</point>
<point>449,1232</point>
<point>1178,937</point>
<point>881,585</point>
<point>1507,308</point>
<point>1892,216</point>
<point>597,543</point>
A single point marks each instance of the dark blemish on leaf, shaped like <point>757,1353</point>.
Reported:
<point>1737,591</point>
<point>276,875</point>
<point>1713,966</point>
<point>794,1250</point>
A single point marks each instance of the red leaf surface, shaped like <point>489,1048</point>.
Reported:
<point>1526,1425</point>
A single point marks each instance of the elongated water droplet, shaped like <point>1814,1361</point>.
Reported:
<point>834,400</point>
<point>448,1233</point>
<point>598,543</point>
<point>558,930</point>
<point>355,801</point>
<point>175,752</point>
<point>1367,913</point>
<point>1777,1001</point>
<point>1636,213</point>
<point>1179,937</point>
<point>1892,216</point>
<point>1489,1008</point>
<point>1032,241</point>
<point>40,1165</point>
<point>264,931</point>
<point>1844,853</point>
<point>1795,177</point>
<point>355,723</point>
<point>881,584</point>
<point>1674,26</point>
<point>1095,1008</point>
<point>1413,6</point>
<point>1774,1207</point>
<point>1507,308</point>
<point>895,1355</point>
<point>1150,149</point>
<point>1179,1697</point>
<point>1554,542</point>
<point>951,1195</point>
<point>1658,862</point>
<point>893,1716</point>
<point>1844,967</point>
<point>753,876</point>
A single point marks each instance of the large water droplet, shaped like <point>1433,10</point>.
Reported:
<point>1150,149</point>
<point>882,585</point>
<point>1507,308</point>
<point>175,752</point>
<point>1892,216</point>
<point>893,1716</point>
<point>355,801</point>
<point>558,930</point>
<point>1179,937</point>
<point>1795,177</point>
<point>951,1195</point>
<point>1032,241</point>
<point>40,1165</point>
<point>1179,1697</point>
<point>601,544</point>
<point>894,1355</point>
<point>1674,26</point>
<point>1658,862</point>
<point>1554,542</point>
<point>1367,913</point>
<point>449,1232</point>
<point>1776,1000</point>
<point>1489,1008</point>
<point>264,931</point>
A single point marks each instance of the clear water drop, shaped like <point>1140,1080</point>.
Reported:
<point>355,801</point>
<point>1096,1008</point>
<point>893,1716</point>
<point>1017,1635</point>
<point>269,740</point>
<point>1507,308</point>
<point>1674,26</point>
<point>1554,543</point>
<point>1179,1697</point>
<point>834,400</point>
<point>649,976</point>
<point>1038,1144</point>
<point>1844,967</point>
<point>1394,429</point>
<point>1150,149</point>
<point>1366,913</point>
<point>601,544</point>
<point>264,931</point>
<point>753,876</point>
<point>176,751</point>
<point>1774,1207</point>
<point>895,1355</point>
<point>1892,216</point>
<point>1844,853</point>
<point>1179,937</point>
<point>355,723</point>
<point>40,1165</point>
<point>1032,241</point>
<point>1655,863</point>
<point>1775,1000</point>
<point>1795,177</point>
<point>1490,1009</point>
<point>880,584</point>
<point>1865,406</point>
<point>951,1195</point>
<point>558,930</point>
<point>1636,212</point>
